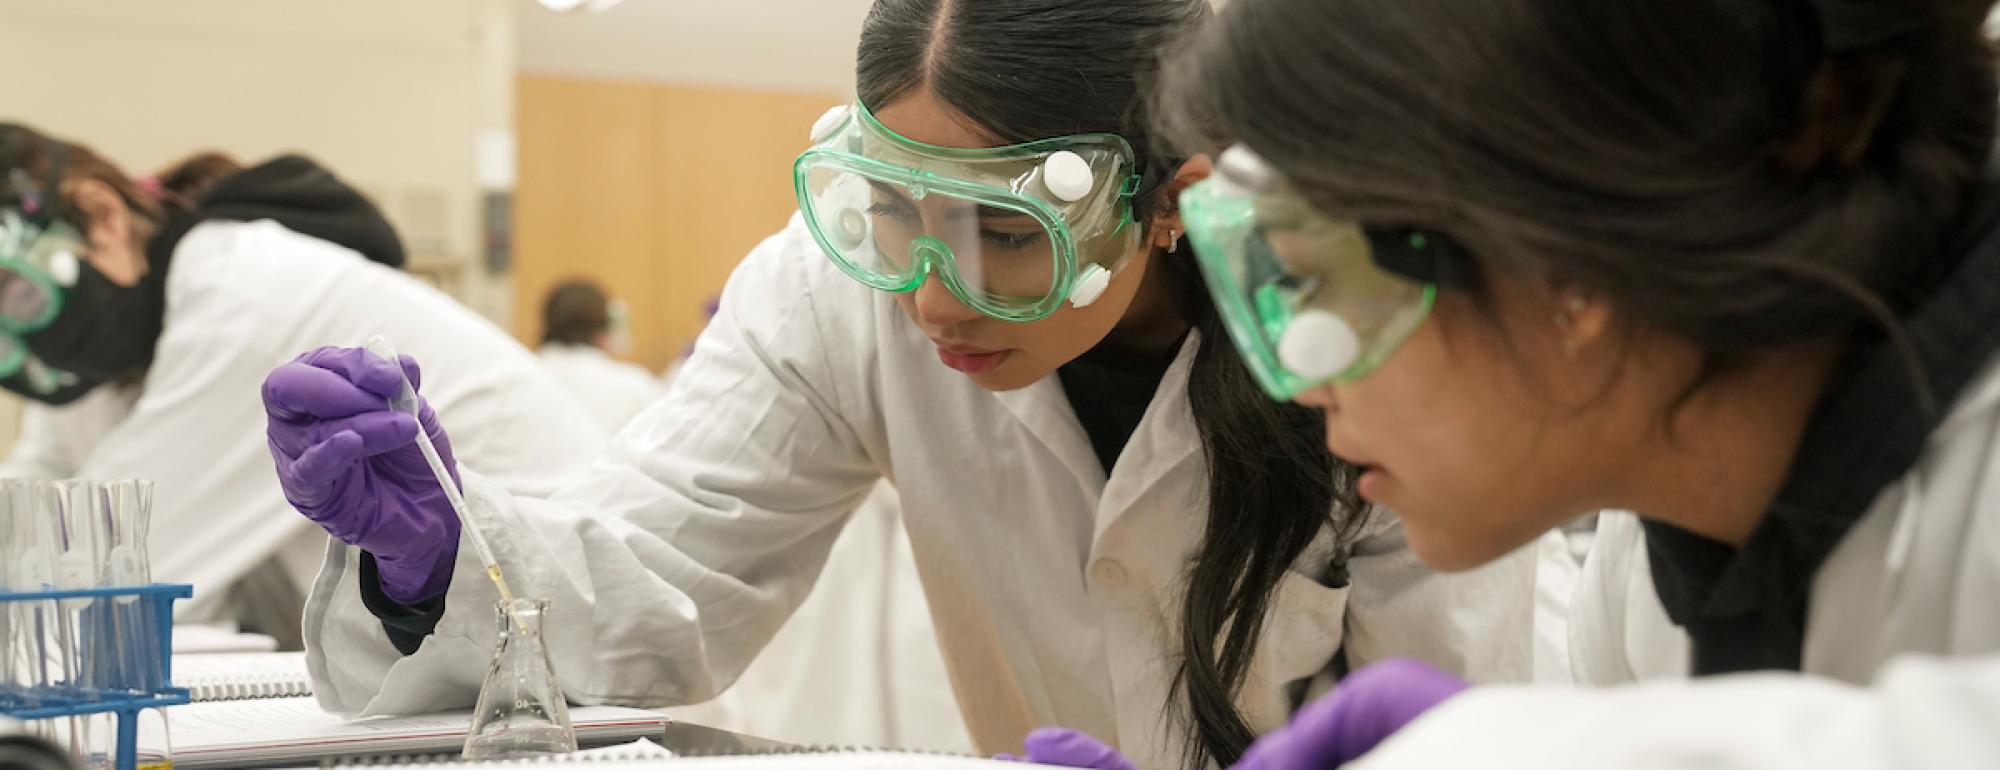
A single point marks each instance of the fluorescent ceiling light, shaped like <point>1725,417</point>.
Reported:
<point>568,6</point>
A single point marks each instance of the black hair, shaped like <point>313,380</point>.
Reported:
<point>1034,69</point>
<point>1743,175</point>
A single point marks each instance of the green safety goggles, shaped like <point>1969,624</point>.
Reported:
<point>38,259</point>
<point>1307,298</point>
<point>1012,232</point>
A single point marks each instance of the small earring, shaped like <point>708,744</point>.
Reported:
<point>1174,242</point>
<point>1573,306</point>
<point>1566,319</point>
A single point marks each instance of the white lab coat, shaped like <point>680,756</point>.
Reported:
<point>55,440</point>
<point>611,390</point>
<point>1619,631</point>
<point>1902,645</point>
<point>858,663</point>
<point>243,298</point>
<point>1056,592</point>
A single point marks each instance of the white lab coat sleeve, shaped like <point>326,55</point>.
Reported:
<point>680,554</point>
<point>54,440</point>
<point>46,447</point>
<point>1490,625</point>
<point>1934,713</point>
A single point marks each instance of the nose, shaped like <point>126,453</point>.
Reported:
<point>937,307</point>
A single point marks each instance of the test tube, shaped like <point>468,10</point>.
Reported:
<point>13,640</point>
<point>30,566</point>
<point>128,517</point>
<point>71,513</point>
<point>128,514</point>
<point>80,529</point>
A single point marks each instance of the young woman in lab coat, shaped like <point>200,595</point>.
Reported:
<point>145,318</point>
<point>1732,266</point>
<point>985,300</point>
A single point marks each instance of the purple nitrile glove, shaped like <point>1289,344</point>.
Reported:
<point>1064,747</point>
<point>1366,708</point>
<point>351,465</point>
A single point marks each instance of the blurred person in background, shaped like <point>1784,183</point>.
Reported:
<point>140,319</point>
<point>579,325</point>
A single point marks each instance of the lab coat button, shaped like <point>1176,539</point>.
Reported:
<point>1109,572</point>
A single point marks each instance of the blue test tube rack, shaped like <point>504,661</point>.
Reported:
<point>55,702</point>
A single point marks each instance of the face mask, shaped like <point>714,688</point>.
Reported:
<point>37,381</point>
<point>105,331</point>
<point>64,326</point>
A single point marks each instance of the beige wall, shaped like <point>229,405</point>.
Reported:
<point>390,93</point>
<point>655,190</point>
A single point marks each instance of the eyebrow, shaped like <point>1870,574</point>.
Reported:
<point>986,212</point>
<point>981,211</point>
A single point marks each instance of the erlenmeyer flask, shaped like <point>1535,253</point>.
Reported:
<point>521,710</point>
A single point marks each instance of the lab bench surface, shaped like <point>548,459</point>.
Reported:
<point>684,739</point>
<point>690,740</point>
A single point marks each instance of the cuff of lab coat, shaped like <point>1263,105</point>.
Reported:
<point>406,624</point>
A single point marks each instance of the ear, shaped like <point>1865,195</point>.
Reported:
<point>1582,320</point>
<point>1166,226</point>
<point>112,250</point>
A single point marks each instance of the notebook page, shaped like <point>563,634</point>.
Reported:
<point>251,732</point>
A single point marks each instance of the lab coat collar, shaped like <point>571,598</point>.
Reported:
<point>1044,410</point>
<point>1164,440</point>
<point>1745,608</point>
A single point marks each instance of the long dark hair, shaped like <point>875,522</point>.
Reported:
<point>193,175</point>
<point>1034,69</point>
<point>34,153</point>
<point>1743,175</point>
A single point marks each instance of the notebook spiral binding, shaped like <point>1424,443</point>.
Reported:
<point>249,688</point>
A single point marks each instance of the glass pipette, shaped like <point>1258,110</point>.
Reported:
<point>405,401</point>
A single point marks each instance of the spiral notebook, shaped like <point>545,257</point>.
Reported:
<point>652,757</point>
<point>257,709</point>
<point>243,676</point>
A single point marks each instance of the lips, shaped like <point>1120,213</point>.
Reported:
<point>971,360</point>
